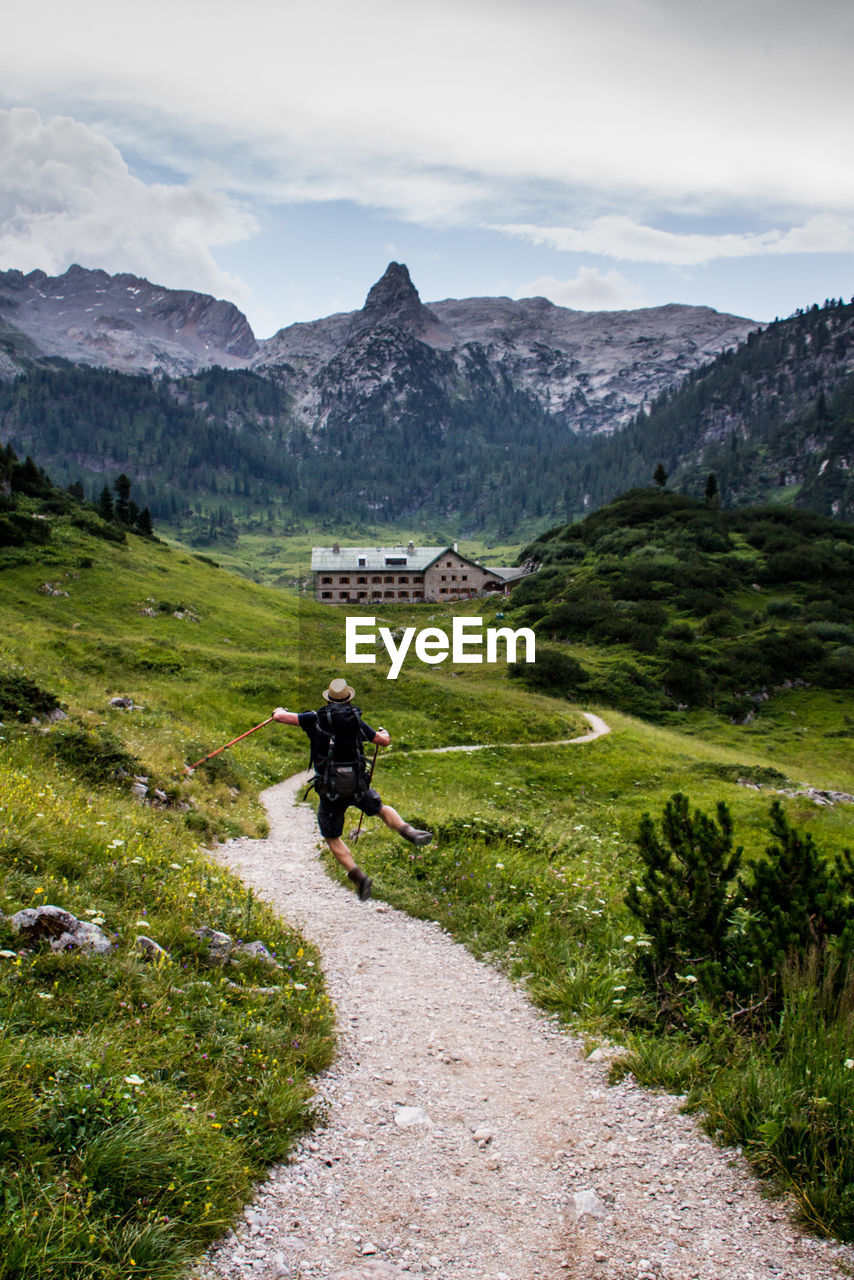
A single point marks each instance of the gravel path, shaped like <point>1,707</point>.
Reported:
<point>468,1138</point>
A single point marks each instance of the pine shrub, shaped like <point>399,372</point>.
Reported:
<point>685,900</point>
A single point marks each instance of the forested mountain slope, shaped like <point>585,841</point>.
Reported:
<point>773,419</point>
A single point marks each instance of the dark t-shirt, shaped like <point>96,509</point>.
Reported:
<point>348,730</point>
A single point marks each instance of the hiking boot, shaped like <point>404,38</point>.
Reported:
<point>414,836</point>
<point>362,882</point>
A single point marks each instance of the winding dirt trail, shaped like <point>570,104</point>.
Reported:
<point>468,1136</point>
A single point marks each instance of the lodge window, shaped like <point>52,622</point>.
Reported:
<point>362,562</point>
<point>444,577</point>
<point>341,581</point>
<point>388,579</point>
<point>392,560</point>
<point>403,578</point>
<point>362,595</point>
<point>326,595</point>
<point>453,577</point>
<point>388,595</point>
<point>361,580</point>
<point>464,577</point>
<point>418,595</point>
<point>326,581</point>
<point>376,579</point>
<point>404,595</point>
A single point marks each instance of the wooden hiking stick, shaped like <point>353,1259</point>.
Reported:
<point>354,835</point>
<point>190,768</point>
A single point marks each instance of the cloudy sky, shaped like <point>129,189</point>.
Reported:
<point>280,154</point>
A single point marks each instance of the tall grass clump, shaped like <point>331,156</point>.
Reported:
<point>789,1100</point>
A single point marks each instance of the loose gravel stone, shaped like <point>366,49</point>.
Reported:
<point>424,1027</point>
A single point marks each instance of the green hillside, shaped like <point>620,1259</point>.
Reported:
<point>684,606</point>
<point>108,1062</point>
<point>773,420</point>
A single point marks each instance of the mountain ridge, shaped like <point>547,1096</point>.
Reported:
<point>591,371</point>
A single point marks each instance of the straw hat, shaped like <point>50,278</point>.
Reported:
<point>338,691</point>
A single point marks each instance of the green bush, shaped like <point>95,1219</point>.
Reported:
<point>91,523</point>
<point>626,687</point>
<point>97,756</point>
<point>795,901</point>
<point>22,697</point>
<point>555,673</point>
<point>17,530</point>
<point>715,935</point>
<point>685,900</point>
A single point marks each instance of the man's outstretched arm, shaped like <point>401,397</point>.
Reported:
<point>285,717</point>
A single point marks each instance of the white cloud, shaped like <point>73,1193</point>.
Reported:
<point>619,237</point>
<point>428,110</point>
<point>68,196</point>
<point>589,291</point>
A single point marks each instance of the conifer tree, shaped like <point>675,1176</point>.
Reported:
<point>796,900</point>
<point>660,476</point>
<point>686,898</point>
<point>143,523</point>
<point>122,487</point>
<point>106,510</point>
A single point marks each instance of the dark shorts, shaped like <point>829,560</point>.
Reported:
<point>330,813</point>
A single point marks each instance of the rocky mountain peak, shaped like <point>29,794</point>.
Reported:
<point>123,322</point>
<point>395,300</point>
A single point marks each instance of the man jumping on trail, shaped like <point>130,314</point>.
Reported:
<point>337,732</point>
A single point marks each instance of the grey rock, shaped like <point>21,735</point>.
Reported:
<point>150,949</point>
<point>257,950</point>
<point>587,1203</point>
<point>23,921</point>
<point>47,921</point>
<point>63,930</point>
<point>412,1117</point>
<point>219,944</point>
<point>55,716</point>
<point>122,702</point>
<point>83,937</point>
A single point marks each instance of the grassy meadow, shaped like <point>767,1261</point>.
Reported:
<point>111,1066</point>
<point>278,557</point>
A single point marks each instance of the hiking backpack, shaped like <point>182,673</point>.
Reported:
<point>338,779</point>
